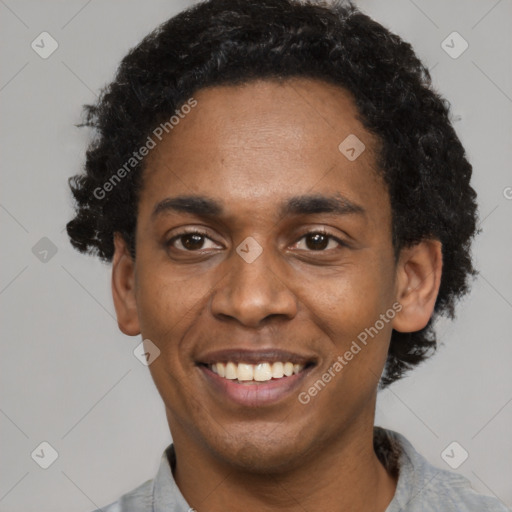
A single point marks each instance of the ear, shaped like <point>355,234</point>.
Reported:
<point>123,288</point>
<point>418,279</point>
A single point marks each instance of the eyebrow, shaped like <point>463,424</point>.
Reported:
<point>298,205</point>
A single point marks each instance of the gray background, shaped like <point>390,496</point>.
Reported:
<point>69,376</point>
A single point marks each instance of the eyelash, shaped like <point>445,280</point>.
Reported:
<point>170,242</point>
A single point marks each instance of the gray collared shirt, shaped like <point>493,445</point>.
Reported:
<point>421,486</point>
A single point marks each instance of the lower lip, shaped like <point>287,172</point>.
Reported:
<point>255,394</point>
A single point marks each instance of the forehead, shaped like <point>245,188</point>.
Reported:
<point>262,141</point>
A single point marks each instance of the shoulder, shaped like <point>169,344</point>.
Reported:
<point>159,493</point>
<point>137,500</point>
<point>422,487</point>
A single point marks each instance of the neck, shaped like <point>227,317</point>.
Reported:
<point>346,475</point>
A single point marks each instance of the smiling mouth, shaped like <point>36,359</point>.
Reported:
<point>255,378</point>
<point>246,373</point>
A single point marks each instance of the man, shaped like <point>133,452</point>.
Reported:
<point>286,208</point>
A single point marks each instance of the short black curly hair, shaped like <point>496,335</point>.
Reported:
<point>221,42</point>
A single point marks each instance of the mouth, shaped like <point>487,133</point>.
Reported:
<point>255,378</point>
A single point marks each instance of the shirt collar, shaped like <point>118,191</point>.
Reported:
<point>166,495</point>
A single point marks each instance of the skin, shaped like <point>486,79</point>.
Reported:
<point>252,147</point>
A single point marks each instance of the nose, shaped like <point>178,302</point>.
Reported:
<point>253,292</point>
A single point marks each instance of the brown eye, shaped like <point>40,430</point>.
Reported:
<point>190,241</point>
<point>319,241</point>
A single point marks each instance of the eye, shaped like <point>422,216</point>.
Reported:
<point>195,240</point>
<point>190,241</point>
<point>320,241</point>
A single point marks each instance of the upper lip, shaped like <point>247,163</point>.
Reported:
<point>240,355</point>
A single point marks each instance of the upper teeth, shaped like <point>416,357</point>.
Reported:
<point>258,372</point>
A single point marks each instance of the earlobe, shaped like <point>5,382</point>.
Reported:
<point>123,288</point>
<point>418,279</point>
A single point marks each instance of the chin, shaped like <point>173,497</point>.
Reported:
<point>263,454</point>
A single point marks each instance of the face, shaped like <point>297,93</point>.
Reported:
<point>259,244</point>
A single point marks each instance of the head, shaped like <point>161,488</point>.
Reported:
<point>329,196</point>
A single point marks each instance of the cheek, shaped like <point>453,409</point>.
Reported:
<point>168,308</point>
<point>350,300</point>
<point>348,310</point>
<point>167,304</point>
